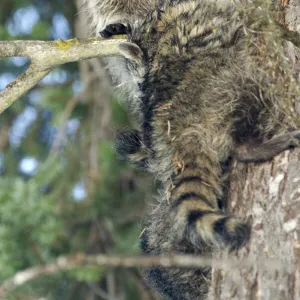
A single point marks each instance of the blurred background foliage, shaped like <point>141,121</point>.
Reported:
<point>62,189</point>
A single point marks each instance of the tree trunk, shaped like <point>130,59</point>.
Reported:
<point>269,195</point>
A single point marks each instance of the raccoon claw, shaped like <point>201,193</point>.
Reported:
<point>114,29</point>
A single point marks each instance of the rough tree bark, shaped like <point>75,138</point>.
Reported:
<point>269,195</point>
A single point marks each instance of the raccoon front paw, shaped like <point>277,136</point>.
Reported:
<point>129,146</point>
<point>127,143</point>
<point>114,29</point>
<point>231,232</point>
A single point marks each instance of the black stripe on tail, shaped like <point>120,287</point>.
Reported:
<point>196,214</point>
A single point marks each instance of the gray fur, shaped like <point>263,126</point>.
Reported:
<point>212,78</point>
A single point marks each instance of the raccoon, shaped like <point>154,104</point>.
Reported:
<point>111,16</point>
<point>208,85</point>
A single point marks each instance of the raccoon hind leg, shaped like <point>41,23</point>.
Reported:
<point>267,150</point>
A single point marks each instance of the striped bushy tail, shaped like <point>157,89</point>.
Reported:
<point>193,197</point>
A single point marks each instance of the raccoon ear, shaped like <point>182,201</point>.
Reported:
<point>131,51</point>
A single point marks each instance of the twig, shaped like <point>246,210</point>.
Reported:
<point>99,292</point>
<point>66,263</point>
<point>71,104</point>
<point>144,289</point>
<point>4,136</point>
<point>45,56</point>
<point>21,85</point>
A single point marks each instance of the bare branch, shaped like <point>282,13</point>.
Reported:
<point>66,263</point>
<point>45,56</point>
<point>21,85</point>
<point>53,53</point>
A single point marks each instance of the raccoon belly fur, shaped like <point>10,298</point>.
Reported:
<point>201,88</point>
